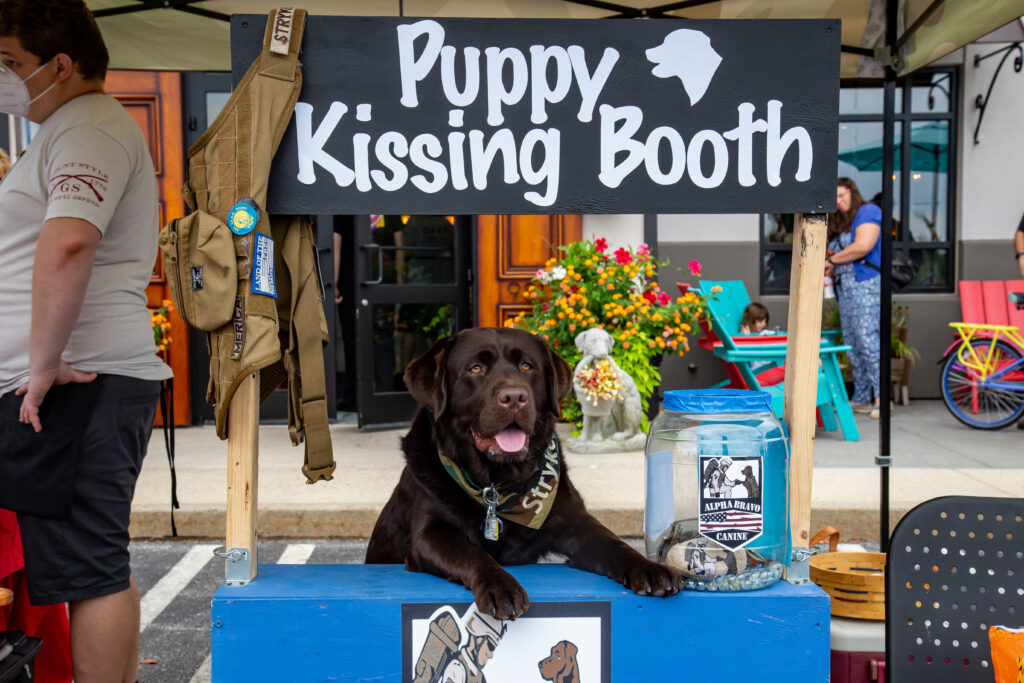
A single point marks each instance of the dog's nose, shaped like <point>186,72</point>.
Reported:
<point>512,398</point>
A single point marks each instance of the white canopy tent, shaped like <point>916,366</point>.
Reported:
<point>192,35</point>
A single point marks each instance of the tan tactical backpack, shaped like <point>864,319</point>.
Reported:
<point>248,279</point>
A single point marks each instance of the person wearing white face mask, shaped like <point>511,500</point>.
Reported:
<point>78,364</point>
<point>14,95</point>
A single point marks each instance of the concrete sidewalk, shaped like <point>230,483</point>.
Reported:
<point>934,455</point>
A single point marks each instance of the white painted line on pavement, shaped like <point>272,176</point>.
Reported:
<point>297,553</point>
<point>159,596</point>
<point>294,553</point>
<point>204,673</point>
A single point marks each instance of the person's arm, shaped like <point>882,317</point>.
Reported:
<point>863,242</point>
<point>61,271</point>
<point>1018,248</point>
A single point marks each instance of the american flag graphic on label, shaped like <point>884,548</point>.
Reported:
<point>731,510</point>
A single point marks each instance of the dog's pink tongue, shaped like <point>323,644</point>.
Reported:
<point>511,440</point>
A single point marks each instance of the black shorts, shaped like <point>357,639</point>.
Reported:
<point>85,555</point>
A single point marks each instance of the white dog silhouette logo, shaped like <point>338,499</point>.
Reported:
<point>687,54</point>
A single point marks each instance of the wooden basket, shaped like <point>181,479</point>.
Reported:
<point>854,581</point>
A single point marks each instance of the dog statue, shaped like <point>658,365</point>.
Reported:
<point>619,431</point>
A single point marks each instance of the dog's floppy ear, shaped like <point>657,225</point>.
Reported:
<point>425,377</point>
<point>559,381</point>
<point>580,340</point>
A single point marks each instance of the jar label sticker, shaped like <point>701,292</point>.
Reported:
<point>695,559</point>
<point>731,510</point>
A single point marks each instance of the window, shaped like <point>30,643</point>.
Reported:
<point>926,128</point>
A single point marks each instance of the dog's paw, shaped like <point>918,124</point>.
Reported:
<point>650,578</point>
<point>501,596</point>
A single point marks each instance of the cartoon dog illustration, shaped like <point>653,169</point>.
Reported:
<point>686,54</point>
<point>561,666</point>
<point>750,483</point>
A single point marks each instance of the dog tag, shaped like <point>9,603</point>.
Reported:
<point>492,523</point>
<point>492,527</point>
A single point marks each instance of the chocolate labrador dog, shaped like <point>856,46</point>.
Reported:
<point>485,483</point>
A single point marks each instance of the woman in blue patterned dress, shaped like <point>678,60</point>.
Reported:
<point>853,235</point>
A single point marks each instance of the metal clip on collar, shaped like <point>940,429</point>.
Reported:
<point>493,526</point>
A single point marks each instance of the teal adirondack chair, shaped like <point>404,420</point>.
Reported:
<point>725,310</point>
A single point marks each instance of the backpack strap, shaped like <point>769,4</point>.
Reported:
<point>303,359</point>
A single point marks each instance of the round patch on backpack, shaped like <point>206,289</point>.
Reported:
<point>243,216</point>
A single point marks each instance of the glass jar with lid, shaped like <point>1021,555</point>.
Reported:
<point>716,498</point>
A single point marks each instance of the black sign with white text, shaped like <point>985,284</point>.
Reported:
<point>525,116</point>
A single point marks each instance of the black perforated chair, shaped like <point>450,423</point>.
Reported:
<point>955,567</point>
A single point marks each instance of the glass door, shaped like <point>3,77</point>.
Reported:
<point>413,287</point>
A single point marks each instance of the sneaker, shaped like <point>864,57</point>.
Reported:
<point>876,412</point>
<point>861,406</point>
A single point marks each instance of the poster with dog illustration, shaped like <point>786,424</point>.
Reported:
<point>559,642</point>
<point>731,499</point>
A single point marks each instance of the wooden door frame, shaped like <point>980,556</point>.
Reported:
<point>494,235</point>
<point>160,93</point>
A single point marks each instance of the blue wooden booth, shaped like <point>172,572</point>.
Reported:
<point>314,623</point>
<point>361,623</point>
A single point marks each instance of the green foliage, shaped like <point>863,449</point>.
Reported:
<point>588,287</point>
<point>898,342</point>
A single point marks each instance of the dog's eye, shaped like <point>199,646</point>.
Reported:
<point>476,368</point>
<point>525,365</point>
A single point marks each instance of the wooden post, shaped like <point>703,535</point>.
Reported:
<point>243,446</point>
<point>804,330</point>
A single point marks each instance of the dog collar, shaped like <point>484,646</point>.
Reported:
<point>526,503</point>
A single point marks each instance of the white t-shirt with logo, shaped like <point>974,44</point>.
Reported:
<point>88,160</point>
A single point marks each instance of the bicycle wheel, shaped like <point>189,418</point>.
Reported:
<point>972,401</point>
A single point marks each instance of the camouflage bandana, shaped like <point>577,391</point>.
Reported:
<point>526,503</point>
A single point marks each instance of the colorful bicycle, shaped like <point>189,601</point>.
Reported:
<point>983,380</point>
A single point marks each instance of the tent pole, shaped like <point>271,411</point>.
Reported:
<point>883,459</point>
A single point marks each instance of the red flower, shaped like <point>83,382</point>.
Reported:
<point>622,256</point>
<point>695,267</point>
<point>544,307</point>
<point>664,299</point>
<point>574,289</point>
<point>601,245</point>
<point>650,295</point>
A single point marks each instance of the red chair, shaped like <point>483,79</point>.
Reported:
<point>48,622</point>
<point>987,303</point>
